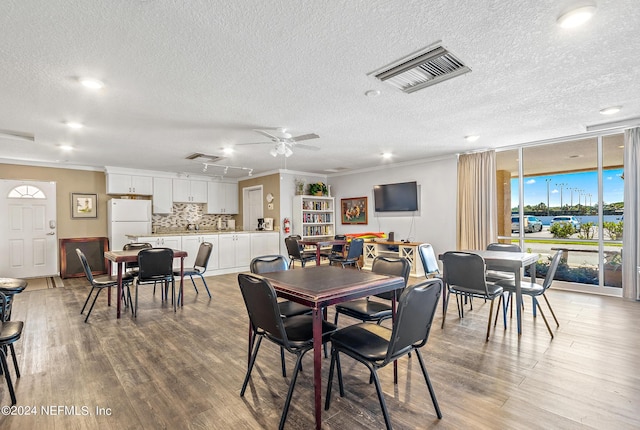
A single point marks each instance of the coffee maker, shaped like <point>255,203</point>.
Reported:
<point>260,223</point>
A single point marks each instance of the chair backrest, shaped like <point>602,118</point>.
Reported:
<point>465,271</point>
<point>429,261</point>
<point>416,309</point>
<point>261,302</point>
<point>155,263</point>
<point>548,279</point>
<point>394,266</point>
<point>202,258</point>
<point>338,248</point>
<point>292,246</point>
<point>85,266</point>
<point>355,249</point>
<point>4,309</point>
<point>268,263</point>
<point>507,247</point>
<point>134,246</point>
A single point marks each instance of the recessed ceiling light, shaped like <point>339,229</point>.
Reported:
<point>66,147</point>
<point>387,155</point>
<point>372,93</point>
<point>227,151</point>
<point>610,110</point>
<point>73,124</point>
<point>92,83</point>
<point>576,17</point>
<point>472,138</point>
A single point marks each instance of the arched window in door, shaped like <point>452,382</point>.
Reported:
<point>26,192</point>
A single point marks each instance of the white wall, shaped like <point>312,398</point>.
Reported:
<point>435,222</point>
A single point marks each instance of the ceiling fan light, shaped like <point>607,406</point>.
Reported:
<point>273,152</point>
<point>288,152</point>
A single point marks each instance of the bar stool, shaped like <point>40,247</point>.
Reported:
<point>11,287</point>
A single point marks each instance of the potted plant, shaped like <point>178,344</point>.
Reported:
<point>318,189</point>
<point>299,186</point>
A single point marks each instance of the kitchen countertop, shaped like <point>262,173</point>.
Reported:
<point>198,232</point>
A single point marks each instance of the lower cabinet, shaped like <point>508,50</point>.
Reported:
<point>265,244</point>
<point>235,250</point>
<point>191,244</point>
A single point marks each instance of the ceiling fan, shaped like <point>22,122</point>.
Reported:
<point>285,142</point>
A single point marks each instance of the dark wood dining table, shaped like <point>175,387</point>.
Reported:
<point>122,257</point>
<point>322,286</point>
<point>510,262</point>
<point>319,243</point>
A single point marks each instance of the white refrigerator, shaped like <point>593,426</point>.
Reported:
<point>127,216</point>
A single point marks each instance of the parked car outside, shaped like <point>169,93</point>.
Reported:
<point>531,224</point>
<point>567,219</point>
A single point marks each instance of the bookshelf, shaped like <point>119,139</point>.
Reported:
<point>313,216</point>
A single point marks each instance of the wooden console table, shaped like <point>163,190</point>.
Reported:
<point>408,250</point>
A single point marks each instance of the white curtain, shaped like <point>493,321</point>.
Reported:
<point>477,200</point>
<point>631,233</point>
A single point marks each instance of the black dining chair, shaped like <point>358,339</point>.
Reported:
<point>375,346</point>
<point>155,265</point>
<point>276,263</point>
<point>532,289</point>
<point>99,285</point>
<point>10,333</point>
<point>336,250</point>
<point>464,275</point>
<point>497,275</point>
<point>295,334</point>
<point>375,310</point>
<point>429,260</point>
<point>199,267</point>
<point>296,253</point>
<point>131,267</point>
<point>353,254</point>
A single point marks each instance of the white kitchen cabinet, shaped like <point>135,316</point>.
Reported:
<point>173,242</point>
<point>191,244</point>
<point>222,198</point>
<point>265,244</point>
<point>235,250</point>
<point>162,196</point>
<point>188,191</point>
<point>118,183</point>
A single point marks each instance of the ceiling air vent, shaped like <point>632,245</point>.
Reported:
<point>203,158</point>
<point>427,67</point>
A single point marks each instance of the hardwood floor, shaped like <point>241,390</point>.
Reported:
<point>185,370</point>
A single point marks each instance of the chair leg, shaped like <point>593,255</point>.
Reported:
<point>7,376</point>
<point>252,361</point>
<point>429,386</point>
<point>135,309</point>
<point>383,404</point>
<point>284,366</point>
<point>489,323</point>
<point>292,385</point>
<point>551,309</point>
<point>15,360</point>
<point>205,284</point>
<point>87,301</point>
<point>537,305</point>
<point>446,305</point>
<point>93,304</point>
<point>495,322</point>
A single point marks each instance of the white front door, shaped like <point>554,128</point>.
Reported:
<point>28,237</point>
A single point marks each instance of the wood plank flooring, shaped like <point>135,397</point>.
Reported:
<point>185,370</point>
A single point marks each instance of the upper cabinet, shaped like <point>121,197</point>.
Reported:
<point>118,183</point>
<point>162,196</point>
<point>222,198</point>
<point>188,191</point>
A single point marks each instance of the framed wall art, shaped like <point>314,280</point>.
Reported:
<point>354,210</point>
<point>84,205</point>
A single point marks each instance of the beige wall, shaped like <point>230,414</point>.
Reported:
<point>68,181</point>
<point>270,184</point>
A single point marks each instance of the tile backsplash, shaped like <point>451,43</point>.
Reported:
<point>184,214</point>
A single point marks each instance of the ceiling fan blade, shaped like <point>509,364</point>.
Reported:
<point>311,147</point>
<point>264,133</point>
<point>304,137</point>
<point>254,143</point>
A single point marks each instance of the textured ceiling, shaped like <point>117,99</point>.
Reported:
<point>197,76</point>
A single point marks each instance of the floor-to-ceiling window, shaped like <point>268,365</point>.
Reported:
<point>567,196</point>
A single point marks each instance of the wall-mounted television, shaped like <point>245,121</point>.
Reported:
<point>401,197</point>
